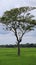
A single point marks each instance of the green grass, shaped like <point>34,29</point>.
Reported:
<point>8,56</point>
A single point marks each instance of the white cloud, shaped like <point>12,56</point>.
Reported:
<point>8,4</point>
<point>28,39</point>
<point>7,39</point>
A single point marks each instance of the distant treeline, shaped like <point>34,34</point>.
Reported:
<point>21,45</point>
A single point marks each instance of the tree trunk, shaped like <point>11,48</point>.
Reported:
<point>18,49</point>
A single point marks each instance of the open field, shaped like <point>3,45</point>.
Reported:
<point>8,56</point>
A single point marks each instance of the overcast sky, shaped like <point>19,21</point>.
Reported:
<point>9,4</point>
<point>8,37</point>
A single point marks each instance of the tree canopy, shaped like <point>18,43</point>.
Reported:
<point>20,21</point>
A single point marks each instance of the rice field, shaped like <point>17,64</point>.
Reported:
<point>8,56</point>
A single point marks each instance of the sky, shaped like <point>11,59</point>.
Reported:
<point>7,37</point>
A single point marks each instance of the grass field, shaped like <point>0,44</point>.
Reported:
<point>8,56</point>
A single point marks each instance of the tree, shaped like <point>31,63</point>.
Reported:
<point>20,21</point>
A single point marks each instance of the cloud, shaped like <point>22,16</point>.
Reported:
<point>28,39</point>
<point>7,39</point>
<point>3,31</point>
<point>9,4</point>
<point>32,2</point>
